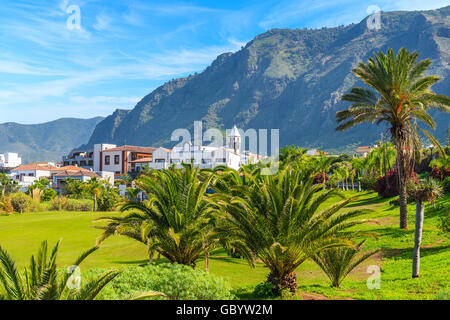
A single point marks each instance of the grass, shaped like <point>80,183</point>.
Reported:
<point>21,235</point>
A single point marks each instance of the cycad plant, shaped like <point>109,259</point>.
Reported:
<point>175,222</point>
<point>337,263</point>
<point>40,281</point>
<point>281,221</point>
<point>401,97</point>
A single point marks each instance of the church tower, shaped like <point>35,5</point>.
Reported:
<point>234,140</point>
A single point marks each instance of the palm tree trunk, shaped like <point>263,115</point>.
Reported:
<point>95,201</point>
<point>206,260</point>
<point>402,180</point>
<point>420,208</point>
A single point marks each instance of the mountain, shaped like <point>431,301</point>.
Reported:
<point>286,79</point>
<point>47,141</point>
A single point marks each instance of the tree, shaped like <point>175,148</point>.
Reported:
<point>277,219</point>
<point>176,220</point>
<point>94,187</point>
<point>41,282</point>
<point>337,263</point>
<point>427,191</point>
<point>401,97</point>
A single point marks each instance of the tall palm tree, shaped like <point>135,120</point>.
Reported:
<point>176,220</point>
<point>426,191</point>
<point>401,97</point>
<point>41,282</point>
<point>278,219</point>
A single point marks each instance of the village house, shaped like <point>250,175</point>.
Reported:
<point>79,158</point>
<point>119,159</point>
<point>9,160</point>
<point>363,151</point>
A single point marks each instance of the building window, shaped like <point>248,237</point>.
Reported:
<point>160,160</point>
<point>91,162</point>
<point>117,172</point>
<point>107,159</point>
<point>116,159</point>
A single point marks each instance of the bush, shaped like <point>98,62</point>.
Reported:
<point>59,204</point>
<point>107,201</point>
<point>79,205</point>
<point>440,174</point>
<point>391,188</point>
<point>318,178</point>
<point>35,206</point>
<point>446,185</point>
<point>444,219</point>
<point>48,194</point>
<point>368,183</point>
<point>20,202</point>
<point>178,282</point>
<point>264,290</point>
<point>5,204</point>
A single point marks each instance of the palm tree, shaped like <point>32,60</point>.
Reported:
<point>277,219</point>
<point>133,193</point>
<point>403,97</point>
<point>427,191</point>
<point>94,187</point>
<point>322,164</point>
<point>40,280</point>
<point>176,220</point>
<point>337,263</point>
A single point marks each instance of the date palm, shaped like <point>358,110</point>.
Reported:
<point>41,282</point>
<point>176,220</point>
<point>401,97</point>
<point>279,220</point>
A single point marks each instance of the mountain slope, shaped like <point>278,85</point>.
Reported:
<point>286,79</point>
<point>46,141</point>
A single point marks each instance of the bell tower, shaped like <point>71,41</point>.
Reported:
<point>234,140</point>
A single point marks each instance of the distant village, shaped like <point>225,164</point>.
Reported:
<point>109,162</point>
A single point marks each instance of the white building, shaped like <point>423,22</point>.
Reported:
<point>10,160</point>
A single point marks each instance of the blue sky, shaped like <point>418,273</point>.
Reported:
<point>125,49</point>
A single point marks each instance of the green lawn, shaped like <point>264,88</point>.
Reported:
<point>22,234</point>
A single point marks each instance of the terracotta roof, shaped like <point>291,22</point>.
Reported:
<point>77,173</point>
<point>142,160</point>
<point>148,150</point>
<point>35,166</point>
<point>363,148</point>
<point>71,168</point>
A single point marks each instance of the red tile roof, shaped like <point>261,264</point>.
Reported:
<point>35,166</point>
<point>71,168</point>
<point>77,173</point>
<point>148,150</point>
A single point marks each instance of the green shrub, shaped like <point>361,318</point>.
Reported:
<point>35,206</point>
<point>444,218</point>
<point>264,290</point>
<point>79,205</point>
<point>48,194</point>
<point>59,204</point>
<point>178,282</point>
<point>20,202</point>
<point>446,185</point>
<point>368,183</point>
<point>107,201</point>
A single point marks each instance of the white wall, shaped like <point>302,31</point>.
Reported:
<point>112,167</point>
<point>97,149</point>
<point>10,160</point>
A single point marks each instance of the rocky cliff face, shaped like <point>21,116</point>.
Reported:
<point>286,79</point>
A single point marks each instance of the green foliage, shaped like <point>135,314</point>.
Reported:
<point>175,221</point>
<point>446,185</point>
<point>337,263</point>
<point>41,281</point>
<point>65,204</point>
<point>368,183</point>
<point>20,202</point>
<point>264,290</point>
<point>178,282</point>
<point>108,200</point>
<point>277,220</point>
<point>48,194</point>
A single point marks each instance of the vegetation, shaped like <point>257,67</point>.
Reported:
<point>178,282</point>
<point>402,97</point>
<point>41,281</point>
